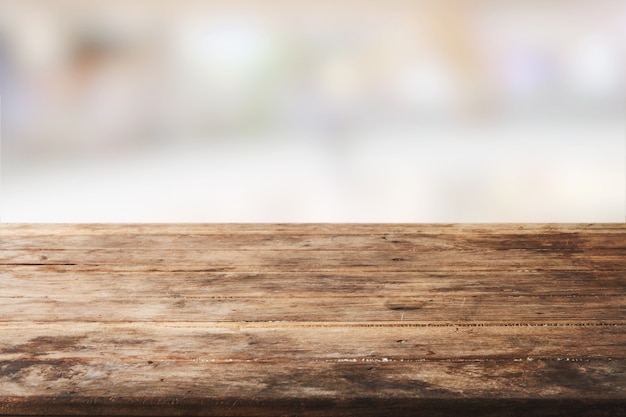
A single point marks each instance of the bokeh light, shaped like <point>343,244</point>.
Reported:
<point>328,111</point>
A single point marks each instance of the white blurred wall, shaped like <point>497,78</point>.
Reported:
<point>294,111</point>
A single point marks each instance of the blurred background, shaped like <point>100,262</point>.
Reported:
<point>326,111</point>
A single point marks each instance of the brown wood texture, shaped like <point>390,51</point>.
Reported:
<point>313,319</point>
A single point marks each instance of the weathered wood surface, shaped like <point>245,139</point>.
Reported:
<point>324,319</point>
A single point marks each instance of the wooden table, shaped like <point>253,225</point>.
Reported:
<point>312,320</point>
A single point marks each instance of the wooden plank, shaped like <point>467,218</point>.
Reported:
<point>310,341</point>
<point>44,280</point>
<point>253,319</point>
<point>433,310</point>
<point>324,379</point>
<point>426,241</point>
<point>322,261</point>
<point>308,388</point>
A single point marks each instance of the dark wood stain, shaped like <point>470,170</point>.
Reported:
<point>41,345</point>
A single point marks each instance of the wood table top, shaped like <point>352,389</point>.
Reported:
<point>313,319</point>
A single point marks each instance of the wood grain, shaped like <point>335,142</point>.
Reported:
<point>313,319</point>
